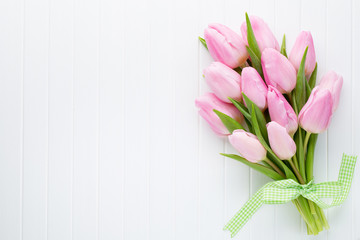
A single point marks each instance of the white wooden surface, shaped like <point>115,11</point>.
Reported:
<point>99,135</point>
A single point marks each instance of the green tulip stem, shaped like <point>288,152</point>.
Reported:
<point>310,156</point>
<point>307,137</point>
<point>322,217</point>
<point>309,218</point>
<point>268,161</point>
<point>296,161</point>
<point>298,175</point>
<point>301,155</point>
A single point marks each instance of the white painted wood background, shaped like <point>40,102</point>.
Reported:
<point>99,135</point>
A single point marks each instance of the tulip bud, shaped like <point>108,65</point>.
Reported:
<point>280,141</point>
<point>316,114</point>
<point>248,145</point>
<point>207,103</point>
<point>281,111</point>
<point>303,40</point>
<point>264,37</point>
<point>254,87</point>
<point>278,70</point>
<point>223,81</point>
<point>333,82</point>
<point>225,45</point>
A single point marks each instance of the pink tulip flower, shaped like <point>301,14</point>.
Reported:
<point>207,103</point>
<point>281,111</point>
<point>223,81</point>
<point>225,45</point>
<point>248,145</point>
<point>254,87</point>
<point>278,70</point>
<point>333,82</point>
<point>280,141</point>
<point>264,37</point>
<point>316,114</point>
<point>303,40</point>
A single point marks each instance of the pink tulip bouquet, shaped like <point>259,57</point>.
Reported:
<point>267,104</point>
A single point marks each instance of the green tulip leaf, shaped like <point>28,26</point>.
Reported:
<point>312,80</point>
<point>255,61</point>
<point>300,83</point>
<point>258,167</point>
<point>230,123</point>
<point>203,42</point>
<point>253,45</point>
<point>259,115</point>
<point>241,107</point>
<point>248,123</point>
<point>283,47</point>
<point>308,90</point>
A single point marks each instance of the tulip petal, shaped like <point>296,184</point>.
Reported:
<point>280,141</point>
<point>303,40</point>
<point>247,145</point>
<point>316,114</point>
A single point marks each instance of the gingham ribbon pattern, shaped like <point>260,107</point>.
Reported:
<point>283,191</point>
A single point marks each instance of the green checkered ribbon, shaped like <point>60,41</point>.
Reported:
<point>283,191</point>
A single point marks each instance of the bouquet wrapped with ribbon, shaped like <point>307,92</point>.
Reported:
<point>267,104</point>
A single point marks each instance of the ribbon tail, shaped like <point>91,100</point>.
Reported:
<point>245,213</point>
<point>346,174</point>
<point>338,190</point>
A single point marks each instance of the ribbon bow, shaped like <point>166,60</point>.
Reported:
<point>283,191</point>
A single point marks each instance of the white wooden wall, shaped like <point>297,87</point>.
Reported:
<point>99,135</point>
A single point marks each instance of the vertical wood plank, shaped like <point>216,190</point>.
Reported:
<point>356,115</point>
<point>86,120</point>
<point>111,148</point>
<point>185,90</point>
<point>35,168</point>
<point>237,175</point>
<point>211,164</point>
<point>11,83</point>
<point>161,154</point>
<point>136,193</point>
<point>287,21</point>
<point>340,131</point>
<point>60,120</point>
